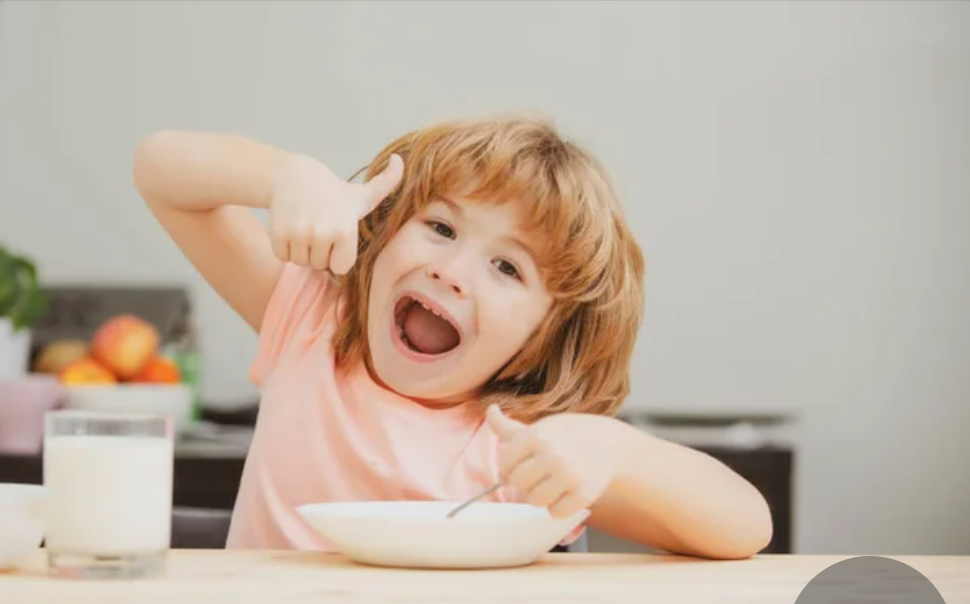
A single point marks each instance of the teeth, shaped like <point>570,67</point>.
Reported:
<point>404,337</point>
<point>433,311</point>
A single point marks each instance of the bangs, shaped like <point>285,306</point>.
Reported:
<point>558,192</point>
<point>570,216</point>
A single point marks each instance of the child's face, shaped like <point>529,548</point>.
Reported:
<point>470,265</point>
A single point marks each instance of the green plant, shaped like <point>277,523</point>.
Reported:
<point>22,299</point>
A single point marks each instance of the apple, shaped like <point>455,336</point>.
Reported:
<point>125,344</point>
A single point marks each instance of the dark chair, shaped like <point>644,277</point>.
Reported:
<point>199,528</point>
<point>579,546</point>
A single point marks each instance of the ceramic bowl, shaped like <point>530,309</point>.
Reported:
<point>417,534</point>
<point>22,524</point>
<point>23,403</point>
<point>173,400</point>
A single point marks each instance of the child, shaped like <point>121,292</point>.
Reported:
<point>466,314</point>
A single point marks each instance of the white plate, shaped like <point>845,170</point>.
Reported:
<point>416,534</point>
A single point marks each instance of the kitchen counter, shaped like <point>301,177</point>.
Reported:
<point>241,577</point>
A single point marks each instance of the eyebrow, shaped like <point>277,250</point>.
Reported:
<point>527,249</point>
<point>454,206</point>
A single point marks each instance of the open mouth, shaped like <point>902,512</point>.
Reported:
<point>423,329</point>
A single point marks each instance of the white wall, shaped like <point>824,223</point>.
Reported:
<point>796,172</point>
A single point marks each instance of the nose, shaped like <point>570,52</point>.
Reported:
<point>448,273</point>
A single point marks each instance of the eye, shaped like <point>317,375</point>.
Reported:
<point>442,229</point>
<point>508,268</point>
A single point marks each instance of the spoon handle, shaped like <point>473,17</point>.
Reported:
<point>467,503</point>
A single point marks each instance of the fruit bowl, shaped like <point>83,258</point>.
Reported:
<point>173,400</point>
<point>22,524</point>
<point>417,534</point>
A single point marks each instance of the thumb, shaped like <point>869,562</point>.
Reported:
<point>504,426</point>
<point>382,185</point>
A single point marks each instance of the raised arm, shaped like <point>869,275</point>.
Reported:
<point>201,187</point>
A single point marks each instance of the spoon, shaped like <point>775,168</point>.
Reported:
<point>468,502</point>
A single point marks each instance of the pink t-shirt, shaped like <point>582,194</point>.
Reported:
<point>325,436</point>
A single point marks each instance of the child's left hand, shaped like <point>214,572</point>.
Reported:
<point>562,462</point>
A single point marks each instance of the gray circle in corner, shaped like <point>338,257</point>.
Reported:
<point>868,579</point>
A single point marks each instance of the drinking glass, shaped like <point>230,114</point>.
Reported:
<point>109,493</point>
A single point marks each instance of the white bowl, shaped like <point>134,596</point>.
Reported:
<point>417,534</point>
<point>173,400</point>
<point>22,523</point>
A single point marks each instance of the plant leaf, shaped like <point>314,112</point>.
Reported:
<point>22,299</point>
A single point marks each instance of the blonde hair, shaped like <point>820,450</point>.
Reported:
<point>579,357</point>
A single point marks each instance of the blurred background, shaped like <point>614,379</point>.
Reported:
<point>796,172</point>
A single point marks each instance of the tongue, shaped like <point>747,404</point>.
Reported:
<point>427,332</point>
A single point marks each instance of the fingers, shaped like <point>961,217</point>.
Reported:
<point>382,185</point>
<point>299,253</point>
<point>568,504</point>
<point>344,252</point>
<point>504,426</point>
<point>545,481</point>
<point>511,455</point>
<point>529,464</point>
<point>528,473</point>
<point>518,442</point>
<point>311,224</point>
<point>281,248</point>
<point>292,244</point>
<point>320,250</point>
<point>320,254</point>
<point>548,491</point>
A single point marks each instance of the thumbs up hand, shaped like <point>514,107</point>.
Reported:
<point>314,214</point>
<point>563,462</point>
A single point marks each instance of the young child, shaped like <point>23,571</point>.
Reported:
<point>466,314</point>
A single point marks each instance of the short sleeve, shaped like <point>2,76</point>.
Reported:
<point>299,309</point>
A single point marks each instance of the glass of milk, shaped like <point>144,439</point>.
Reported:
<point>109,493</point>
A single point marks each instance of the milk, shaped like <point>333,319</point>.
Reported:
<point>108,495</point>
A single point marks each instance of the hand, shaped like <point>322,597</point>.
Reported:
<point>562,462</point>
<point>314,214</point>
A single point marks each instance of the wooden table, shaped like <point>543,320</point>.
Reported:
<point>232,577</point>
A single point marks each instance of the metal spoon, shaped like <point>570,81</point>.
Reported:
<point>468,502</point>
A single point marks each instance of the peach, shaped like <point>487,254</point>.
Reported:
<point>57,355</point>
<point>159,370</point>
<point>86,371</point>
<point>125,344</point>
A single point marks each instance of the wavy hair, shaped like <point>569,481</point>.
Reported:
<point>578,359</point>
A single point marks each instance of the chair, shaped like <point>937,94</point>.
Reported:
<point>200,528</point>
<point>579,546</point>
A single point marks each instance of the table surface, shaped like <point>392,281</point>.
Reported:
<point>241,577</point>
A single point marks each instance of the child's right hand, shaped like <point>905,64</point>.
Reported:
<point>314,214</point>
